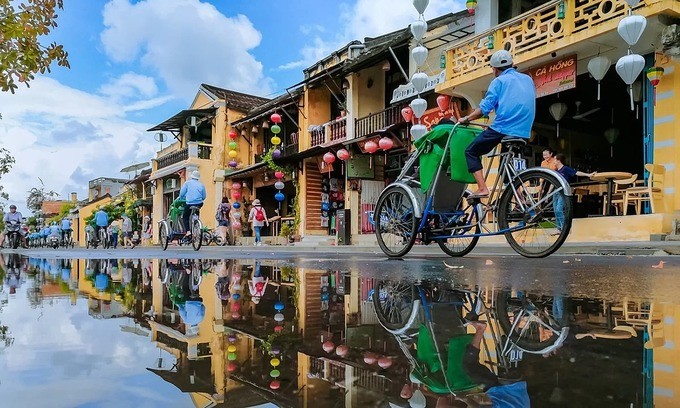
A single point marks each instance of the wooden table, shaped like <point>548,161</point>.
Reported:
<point>609,177</point>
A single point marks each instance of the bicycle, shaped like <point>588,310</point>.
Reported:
<point>68,240</point>
<point>530,207</point>
<point>209,236</point>
<point>171,228</point>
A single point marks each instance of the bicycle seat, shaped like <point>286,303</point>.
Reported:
<point>516,141</point>
<point>193,207</point>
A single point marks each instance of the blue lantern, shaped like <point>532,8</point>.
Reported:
<point>325,296</point>
<point>276,154</point>
<point>236,205</point>
<point>325,206</point>
<point>279,306</point>
<point>236,296</point>
<point>279,196</point>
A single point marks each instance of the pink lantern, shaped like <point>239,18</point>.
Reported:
<point>443,102</point>
<point>371,146</point>
<point>329,158</point>
<point>407,113</point>
<point>328,346</point>
<point>385,362</point>
<point>275,117</point>
<point>343,154</point>
<point>342,350</point>
<point>279,174</point>
<point>236,315</point>
<point>406,391</point>
<point>236,186</point>
<point>236,194</point>
<point>278,329</point>
<point>275,385</point>
<point>231,367</point>
<point>385,143</point>
<point>236,306</point>
<point>236,225</point>
<point>233,135</point>
<point>370,358</point>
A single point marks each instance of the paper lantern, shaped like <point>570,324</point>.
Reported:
<point>471,5</point>
<point>406,391</point>
<point>233,135</point>
<point>236,315</point>
<point>418,29</point>
<point>254,129</point>
<point>279,306</point>
<point>236,296</point>
<point>275,373</point>
<point>371,146</point>
<point>233,163</point>
<point>236,194</point>
<point>275,385</point>
<point>278,317</point>
<point>385,362</point>
<point>342,154</point>
<point>236,225</point>
<point>631,28</point>
<point>418,400</point>
<point>275,362</point>
<point>278,329</point>
<point>407,113</point>
<point>385,143</point>
<point>236,307</point>
<point>275,117</point>
<point>328,346</point>
<point>276,350</point>
<point>598,68</point>
<point>329,158</point>
<point>236,215</point>
<point>419,81</point>
<point>233,154</point>
<point>418,131</point>
<point>276,154</point>
<point>231,367</point>
<point>342,350</point>
<point>232,338</point>
<point>235,185</point>
<point>370,358</point>
<point>419,55</point>
<point>231,356</point>
<point>265,124</point>
<point>237,286</point>
<point>611,135</point>
<point>279,196</point>
<point>629,68</point>
<point>276,140</point>
<point>420,5</point>
<point>633,3</point>
<point>233,145</point>
<point>654,75</point>
<point>276,129</point>
<point>231,349</point>
<point>279,185</point>
<point>443,102</point>
<point>558,110</point>
<point>236,205</point>
<point>419,106</point>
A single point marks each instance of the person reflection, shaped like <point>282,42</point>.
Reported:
<point>258,284</point>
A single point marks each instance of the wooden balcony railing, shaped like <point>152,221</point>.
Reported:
<point>332,131</point>
<point>376,121</point>
<point>173,158</point>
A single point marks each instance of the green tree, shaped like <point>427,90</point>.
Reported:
<point>6,163</point>
<point>23,28</point>
<point>38,195</point>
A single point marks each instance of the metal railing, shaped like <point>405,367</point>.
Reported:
<point>173,158</point>
<point>376,121</point>
<point>333,131</point>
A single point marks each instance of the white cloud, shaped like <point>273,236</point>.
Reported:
<point>186,42</point>
<point>130,85</point>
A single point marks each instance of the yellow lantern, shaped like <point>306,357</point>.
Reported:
<point>233,154</point>
<point>231,349</point>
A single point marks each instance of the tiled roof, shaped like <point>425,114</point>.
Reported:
<point>52,207</point>
<point>235,100</point>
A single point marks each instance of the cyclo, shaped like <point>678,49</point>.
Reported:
<point>429,200</point>
<point>171,228</point>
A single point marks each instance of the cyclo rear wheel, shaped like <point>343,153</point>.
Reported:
<point>543,229</point>
<point>164,235</point>
<point>395,222</point>
<point>196,233</point>
<point>393,302</point>
<point>457,247</point>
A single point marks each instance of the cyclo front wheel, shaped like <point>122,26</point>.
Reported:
<point>164,235</point>
<point>196,234</point>
<point>536,212</point>
<point>395,222</point>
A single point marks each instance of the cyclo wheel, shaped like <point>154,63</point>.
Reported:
<point>540,234</point>
<point>395,222</point>
<point>393,302</point>
<point>164,235</point>
<point>540,319</point>
<point>196,234</point>
<point>457,247</point>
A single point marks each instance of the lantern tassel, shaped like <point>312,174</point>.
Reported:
<point>598,90</point>
<point>612,150</point>
<point>632,102</point>
<point>558,130</point>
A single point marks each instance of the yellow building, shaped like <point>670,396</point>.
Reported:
<point>84,212</point>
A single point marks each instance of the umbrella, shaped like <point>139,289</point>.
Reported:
<point>135,167</point>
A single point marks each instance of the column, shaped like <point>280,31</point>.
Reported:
<point>486,15</point>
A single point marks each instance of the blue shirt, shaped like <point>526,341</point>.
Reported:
<point>512,96</point>
<point>101,218</point>
<point>567,173</point>
<point>193,192</point>
<point>66,224</point>
<point>509,396</point>
<point>54,230</point>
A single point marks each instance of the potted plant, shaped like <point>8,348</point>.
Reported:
<point>287,232</point>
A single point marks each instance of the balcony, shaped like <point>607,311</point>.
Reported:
<point>193,150</point>
<point>539,32</point>
<point>377,121</point>
<point>333,131</point>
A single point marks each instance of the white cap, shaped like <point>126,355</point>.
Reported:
<point>501,59</point>
<point>195,175</point>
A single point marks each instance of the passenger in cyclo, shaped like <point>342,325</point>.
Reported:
<point>512,96</point>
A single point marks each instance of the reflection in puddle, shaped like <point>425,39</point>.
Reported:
<point>245,333</point>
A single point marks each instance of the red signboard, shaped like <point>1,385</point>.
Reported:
<point>555,76</point>
<point>433,116</point>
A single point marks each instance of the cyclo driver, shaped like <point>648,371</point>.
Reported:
<point>193,193</point>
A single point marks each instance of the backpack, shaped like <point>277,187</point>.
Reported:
<point>222,209</point>
<point>259,214</point>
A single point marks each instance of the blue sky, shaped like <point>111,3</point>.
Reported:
<point>136,63</point>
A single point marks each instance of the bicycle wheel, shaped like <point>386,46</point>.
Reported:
<point>218,240</point>
<point>205,238</point>
<point>164,235</point>
<point>104,239</point>
<point>196,234</point>
<point>462,246</point>
<point>393,302</point>
<point>539,211</point>
<point>539,319</point>
<point>395,223</point>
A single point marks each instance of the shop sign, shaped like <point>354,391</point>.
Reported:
<point>555,76</point>
<point>409,91</point>
<point>433,116</point>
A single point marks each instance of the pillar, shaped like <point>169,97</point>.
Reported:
<point>486,15</point>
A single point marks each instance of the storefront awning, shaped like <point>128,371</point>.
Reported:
<point>297,157</point>
<point>391,131</point>
<point>246,172</point>
<point>179,120</point>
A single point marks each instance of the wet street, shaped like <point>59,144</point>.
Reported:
<point>334,329</point>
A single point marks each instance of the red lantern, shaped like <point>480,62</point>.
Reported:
<point>370,358</point>
<point>343,154</point>
<point>342,350</point>
<point>385,143</point>
<point>371,146</point>
<point>276,118</point>
<point>278,329</point>
<point>279,174</point>
<point>407,114</point>
<point>385,362</point>
<point>328,346</point>
<point>236,194</point>
<point>236,186</point>
<point>231,367</point>
<point>275,385</point>
<point>235,307</point>
<point>329,158</point>
<point>443,102</point>
<point>233,135</point>
<point>406,391</point>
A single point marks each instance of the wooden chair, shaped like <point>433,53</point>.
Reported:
<point>653,190</point>
<point>620,187</point>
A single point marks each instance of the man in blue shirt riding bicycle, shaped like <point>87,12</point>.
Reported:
<point>101,220</point>
<point>193,193</point>
<point>512,96</point>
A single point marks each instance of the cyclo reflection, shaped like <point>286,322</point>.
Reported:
<point>450,361</point>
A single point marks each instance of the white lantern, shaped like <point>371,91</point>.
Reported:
<point>633,3</point>
<point>631,28</point>
<point>420,5</point>
<point>629,68</point>
<point>236,215</point>
<point>419,54</point>
<point>598,68</point>
<point>558,110</point>
<point>418,29</point>
<point>417,400</point>
<point>418,131</point>
<point>419,106</point>
<point>419,81</point>
<point>279,185</point>
<point>279,317</point>
<point>611,135</point>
